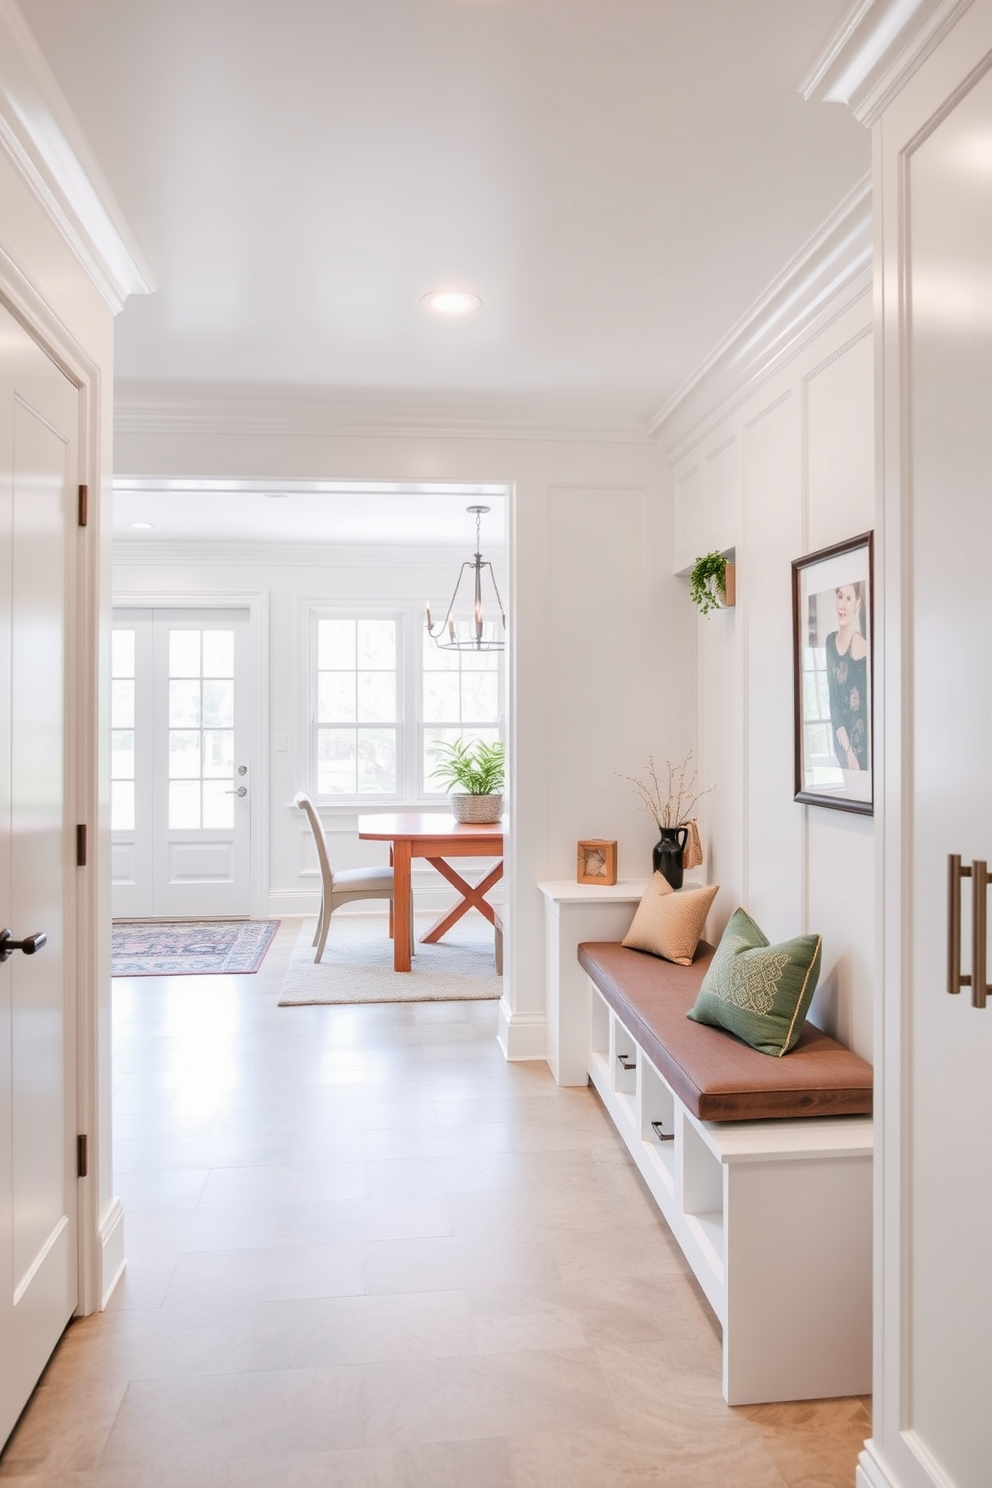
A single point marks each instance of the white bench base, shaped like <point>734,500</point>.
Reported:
<point>774,1217</point>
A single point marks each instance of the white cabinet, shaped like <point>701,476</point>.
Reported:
<point>933,1283</point>
<point>773,1216</point>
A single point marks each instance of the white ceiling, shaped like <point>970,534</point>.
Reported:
<point>618,180</point>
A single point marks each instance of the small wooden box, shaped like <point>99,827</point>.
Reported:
<point>596,862</point>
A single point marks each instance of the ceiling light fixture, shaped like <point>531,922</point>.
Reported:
<point>482,634</point>
<point>451,301</point>
<point>142,526</point>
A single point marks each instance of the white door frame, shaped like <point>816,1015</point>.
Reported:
<point>256,602</point>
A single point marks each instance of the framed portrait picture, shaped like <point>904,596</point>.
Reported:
<point>597,862</point>
<point>832,619</point>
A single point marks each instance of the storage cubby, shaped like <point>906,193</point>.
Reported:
<point>599,1024</point>
<point>625,1056</point>
<point>658,1121</point>
<point>702,1193</point>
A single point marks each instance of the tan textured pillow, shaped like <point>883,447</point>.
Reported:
<point>669,922</point>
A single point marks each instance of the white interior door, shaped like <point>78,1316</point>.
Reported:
<point>38,476</point>
<point>949,1042</point>
<point>182,778</point>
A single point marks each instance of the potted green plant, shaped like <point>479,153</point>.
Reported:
<point>480,770</point>
<point>711,582</point>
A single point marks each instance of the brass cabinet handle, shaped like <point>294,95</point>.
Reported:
<point>980,880</point>
<point>979,935</point>
<point>955,873</point>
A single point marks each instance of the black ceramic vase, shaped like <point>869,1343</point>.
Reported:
<point>667,855</point>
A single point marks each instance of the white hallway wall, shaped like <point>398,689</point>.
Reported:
<point>778,473</point>
<point>601,653</point>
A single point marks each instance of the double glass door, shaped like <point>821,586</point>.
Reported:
<point>181,778</point>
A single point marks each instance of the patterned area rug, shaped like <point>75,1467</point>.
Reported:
<point>358,964</point>
<point>189,947</point>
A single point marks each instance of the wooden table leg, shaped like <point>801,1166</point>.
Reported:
<point>402,906</point>
<point>471,898</point>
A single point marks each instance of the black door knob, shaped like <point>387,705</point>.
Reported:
<point>28,945</point>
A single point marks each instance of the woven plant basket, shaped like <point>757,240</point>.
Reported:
<point>476,808</point>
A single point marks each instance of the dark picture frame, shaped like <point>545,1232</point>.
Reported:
<point>833,628</point>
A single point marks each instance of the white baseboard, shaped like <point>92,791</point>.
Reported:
<point>522,1035</point>
<point>112,1258</point>
<point>870,1472</point>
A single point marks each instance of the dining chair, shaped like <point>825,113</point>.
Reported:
<point>346,885</point>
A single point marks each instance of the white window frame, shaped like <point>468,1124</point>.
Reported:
<point>412,790</point>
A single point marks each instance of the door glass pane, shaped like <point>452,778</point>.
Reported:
<point>218,653</point>
<point>184,704</point>
<point>122,754</point>
<point>218,704</point>
<point>122,653</point>
<point>218,753</point>
<point>184,754</point>
<point>122,704</point>
<point>184,805</point>
<point>377,761</point>
<point>218,804</point>
<point>336,761</point>
<point>122,805</point>
<point>184,653</point>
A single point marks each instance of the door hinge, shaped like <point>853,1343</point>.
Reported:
<point>82,1156</point>
<point>84,505</point>
<point>81,846</point>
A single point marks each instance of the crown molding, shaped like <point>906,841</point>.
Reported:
<point>828,273</point>
<point>368,414</point>
<point>875,51</point>
<point>49,152</point>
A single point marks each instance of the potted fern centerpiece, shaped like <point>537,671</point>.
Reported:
<point>479,769</point>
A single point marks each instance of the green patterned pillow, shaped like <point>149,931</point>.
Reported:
<point>758,991</point>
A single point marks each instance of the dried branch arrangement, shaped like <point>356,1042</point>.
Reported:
<point>672,805</point>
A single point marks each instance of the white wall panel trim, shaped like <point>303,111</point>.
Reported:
<point>47,148</point>
<point>828,273</point>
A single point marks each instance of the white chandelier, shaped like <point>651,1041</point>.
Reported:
<point>481,634</point>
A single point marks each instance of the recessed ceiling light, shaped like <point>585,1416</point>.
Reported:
<point>142,526</point>
<point>451,301</point>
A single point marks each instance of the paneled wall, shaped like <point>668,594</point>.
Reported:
<point>782,471</point>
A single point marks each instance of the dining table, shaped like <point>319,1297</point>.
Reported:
<point>436,836</point>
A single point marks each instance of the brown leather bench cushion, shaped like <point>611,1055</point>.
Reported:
<point>715,1075</point>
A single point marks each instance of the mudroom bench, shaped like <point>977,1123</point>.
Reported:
<point>761,1167</point>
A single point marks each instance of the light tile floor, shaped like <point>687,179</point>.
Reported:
<point>366,1252</point>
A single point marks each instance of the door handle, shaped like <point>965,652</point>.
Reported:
<point>28,945</point>
<point>979,936</point>
<point>242,790</point>
<point>980,880</point>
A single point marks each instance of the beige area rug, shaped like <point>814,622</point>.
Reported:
<point>357,964</point>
